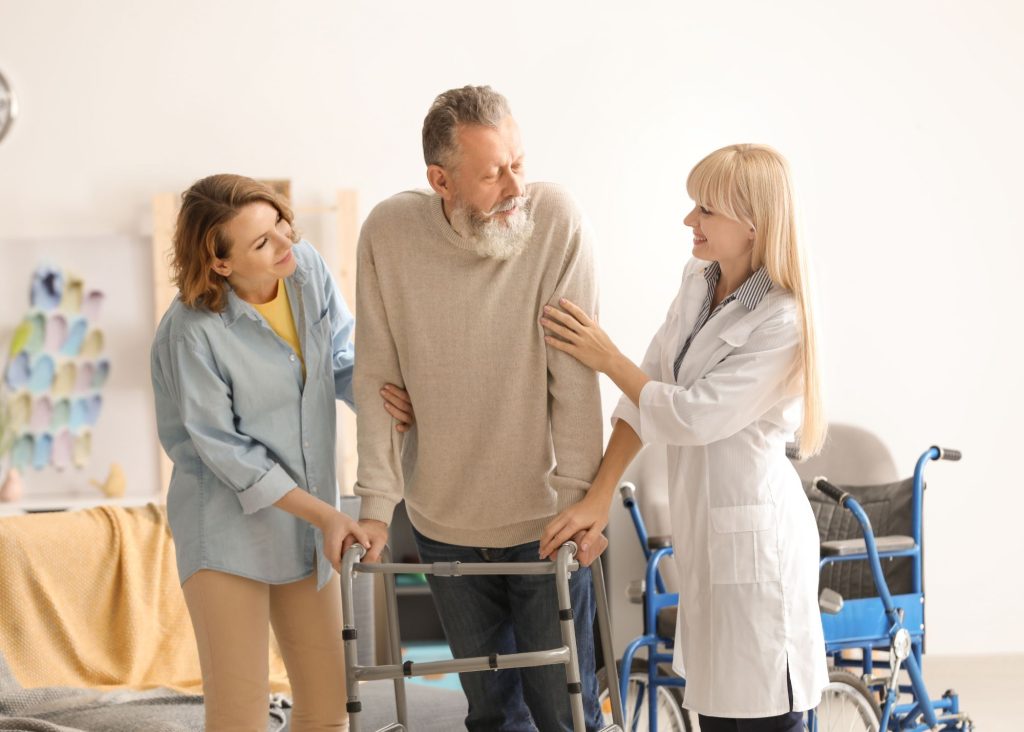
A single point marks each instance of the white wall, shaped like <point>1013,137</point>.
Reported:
<point>901,121</point>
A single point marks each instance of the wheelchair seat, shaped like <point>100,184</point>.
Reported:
<point>846,547</point>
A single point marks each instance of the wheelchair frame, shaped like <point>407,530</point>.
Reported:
<point>886,622</point>
<point>659,648</point>
<point>890,622</point>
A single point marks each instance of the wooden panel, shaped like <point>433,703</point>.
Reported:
<point>347,212</point>
<point>165,212</point>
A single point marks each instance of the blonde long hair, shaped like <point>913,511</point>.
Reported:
<point>751,184</point>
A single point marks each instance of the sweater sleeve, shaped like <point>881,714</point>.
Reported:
<point>574,395</point>
<point>379,479</point>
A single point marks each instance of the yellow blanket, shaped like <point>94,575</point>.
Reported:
<point>92,599</point>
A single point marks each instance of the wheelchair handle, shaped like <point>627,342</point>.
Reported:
<point>947,453</point>
<point>836,494</point>
<point>628,493</point>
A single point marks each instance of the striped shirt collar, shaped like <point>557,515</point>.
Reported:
<point>750,293</point>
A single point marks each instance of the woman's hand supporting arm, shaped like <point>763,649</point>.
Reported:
<point>583,339</point>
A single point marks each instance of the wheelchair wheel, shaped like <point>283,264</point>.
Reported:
<point>671,715</point>
<point>848,705</point>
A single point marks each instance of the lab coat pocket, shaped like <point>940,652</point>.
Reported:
<point>744,545</point>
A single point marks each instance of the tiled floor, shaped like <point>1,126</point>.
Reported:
<point>991,688</point>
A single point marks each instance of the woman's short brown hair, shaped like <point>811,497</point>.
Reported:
<point>199,236</point>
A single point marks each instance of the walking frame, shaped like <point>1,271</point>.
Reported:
<point>566,654</point>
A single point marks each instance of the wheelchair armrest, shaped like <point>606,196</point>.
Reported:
<point>658,542</point>
<point>846,547</point>
<point>830,601</point>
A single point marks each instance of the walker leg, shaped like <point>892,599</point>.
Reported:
<point>607,648</point>
<point>394,638</point>
<point>349,635</point>
<point>565,615</point>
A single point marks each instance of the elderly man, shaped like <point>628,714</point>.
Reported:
<point>451,283</point>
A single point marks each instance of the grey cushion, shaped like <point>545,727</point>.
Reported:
<point>888,508</point>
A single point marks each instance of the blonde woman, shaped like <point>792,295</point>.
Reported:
<point>727,381</point>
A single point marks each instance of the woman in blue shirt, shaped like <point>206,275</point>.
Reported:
<point>247,364</point>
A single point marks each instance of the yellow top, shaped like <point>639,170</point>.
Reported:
<point>278,313</point>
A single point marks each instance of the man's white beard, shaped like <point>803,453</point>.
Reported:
<point>491,237</point>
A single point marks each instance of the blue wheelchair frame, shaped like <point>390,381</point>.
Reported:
<point>659,649</point>
<point>889,621</point>
<point>867,624</point>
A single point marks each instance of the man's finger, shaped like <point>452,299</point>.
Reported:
<point>403,417</point>
<point>553,527</point>
<point>556,542</point>
<point>396,396</point>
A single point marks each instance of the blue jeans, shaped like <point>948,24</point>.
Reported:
<point>511,614</point>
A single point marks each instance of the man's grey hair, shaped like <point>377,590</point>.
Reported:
<point>470,105</point>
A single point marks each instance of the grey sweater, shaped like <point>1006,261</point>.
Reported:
<point>508,429</point>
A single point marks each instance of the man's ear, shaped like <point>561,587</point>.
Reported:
<point>440,180</point>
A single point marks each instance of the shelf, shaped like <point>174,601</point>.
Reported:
<point>70,503</point>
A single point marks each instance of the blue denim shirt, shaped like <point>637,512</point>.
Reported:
<point>242,429</point>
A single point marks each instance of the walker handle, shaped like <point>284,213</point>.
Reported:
<point>836,494</point>
<point>947,453</point>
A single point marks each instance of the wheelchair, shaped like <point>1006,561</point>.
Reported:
<point>651,693</point>
<point>876,612</point>
<point>873,618</point>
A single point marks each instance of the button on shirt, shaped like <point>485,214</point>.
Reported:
<point>243,427</point>
<point>749,294</point>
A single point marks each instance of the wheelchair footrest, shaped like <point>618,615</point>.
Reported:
<point>846,547</point>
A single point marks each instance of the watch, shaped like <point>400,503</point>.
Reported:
<point>8,106</point>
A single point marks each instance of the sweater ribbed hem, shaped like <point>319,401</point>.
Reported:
<point>376,508</point>
<point>500,537</point>
<point>570,497</point>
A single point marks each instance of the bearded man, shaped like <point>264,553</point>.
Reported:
<point>450,287</point>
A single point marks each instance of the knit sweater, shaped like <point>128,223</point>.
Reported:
<point>508,429</point>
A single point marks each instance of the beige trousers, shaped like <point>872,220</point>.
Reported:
<point>231,616</point>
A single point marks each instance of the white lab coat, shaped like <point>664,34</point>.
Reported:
<point>746,542</point>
